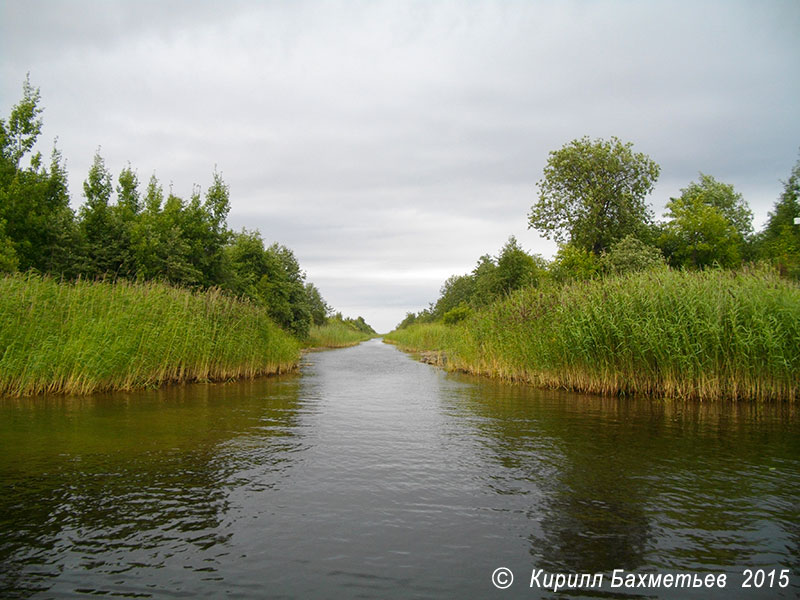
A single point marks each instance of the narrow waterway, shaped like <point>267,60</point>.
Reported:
<point>370,475</point>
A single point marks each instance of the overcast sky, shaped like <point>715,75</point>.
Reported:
<point>390,144</point>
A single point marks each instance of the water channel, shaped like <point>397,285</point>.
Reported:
<point>370,475</point>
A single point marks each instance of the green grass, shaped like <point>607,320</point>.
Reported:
<point>93,336</point>
<point>706,335</point>
<point>335,334</point>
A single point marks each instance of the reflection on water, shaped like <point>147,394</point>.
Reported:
<point>111,484</point>
<point>644,485</point>
<point>370,475</point>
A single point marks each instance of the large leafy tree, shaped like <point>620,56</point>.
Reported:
<point>724,198</point>
<point>284,283</point>
<point>709,223</point>
<point>593,194</point>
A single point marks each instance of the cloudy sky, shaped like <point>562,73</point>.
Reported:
<point>390,144</point>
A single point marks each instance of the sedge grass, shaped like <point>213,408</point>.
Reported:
<point>335,334</point>
<point>706,335</point>
<point>87,336</point>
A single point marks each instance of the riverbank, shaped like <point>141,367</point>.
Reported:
<point>86,337</point>
<point>335,334</point>
<point>710,335</point>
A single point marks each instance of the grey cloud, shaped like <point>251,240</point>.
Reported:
<point>401,140</point>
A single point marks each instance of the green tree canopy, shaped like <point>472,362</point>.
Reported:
<point>134,235</point>
<point>593,193</point>
<point>19,134</point>
<point>106,245</point>
<point>316,304</point>
<point>272,277</point>
<point>780,240</point>
<point>516,268</point>
<point>8,256</point>
<point>723,197</point>
<point>709,223</point>
<point>457,290</point>
<point>34,201</point>
<point>491,278</point>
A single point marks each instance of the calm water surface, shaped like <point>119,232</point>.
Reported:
<point>369,475</point>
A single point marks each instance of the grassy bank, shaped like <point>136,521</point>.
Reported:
<point>91,336</point>
<point>335,334</point>
<point>702,335</point>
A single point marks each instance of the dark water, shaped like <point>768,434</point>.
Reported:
<point>370,475</point>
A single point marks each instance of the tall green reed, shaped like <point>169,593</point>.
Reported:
<point>89,336</point>
<point>335,334</point>
<point>704,335</point>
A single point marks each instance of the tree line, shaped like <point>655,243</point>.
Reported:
<point>592,201</point>
<point>125,230</point>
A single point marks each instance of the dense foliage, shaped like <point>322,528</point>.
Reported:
<point>122,231</point>
<point>592,201</point>
<point>708,224</point>
<point>780,240</point>
<point>593,193</point>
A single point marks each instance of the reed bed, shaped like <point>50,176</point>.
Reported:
<point>335,334</point>
<point>89,336</point>
<point>707,335</point>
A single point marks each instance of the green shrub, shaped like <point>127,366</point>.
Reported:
<point>630,255</point>
<point>456,315</point>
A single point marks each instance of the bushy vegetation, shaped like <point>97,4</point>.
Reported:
<point>124,232</point>
<point>709,223</point>
<point>705,335</point>
<point>779,243</point>
<point>491,279</point>
<point>592,196</point>
<point>90,336</point>
<point>630,305</point>
<point>592,201</point>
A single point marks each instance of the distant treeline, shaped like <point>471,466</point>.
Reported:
<point>592,201</point>
<point>128,231</point>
